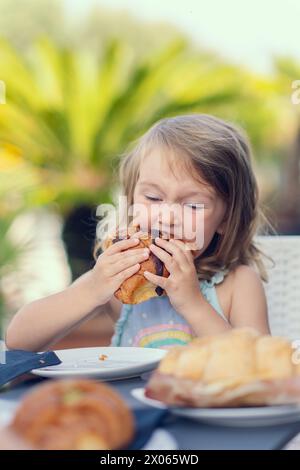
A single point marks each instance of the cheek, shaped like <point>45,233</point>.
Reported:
<point>195,221</point>
<point>142,212</point>
<point>202,224</point>
<point>208,221</point>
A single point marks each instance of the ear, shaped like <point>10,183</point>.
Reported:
<point>220,230</point>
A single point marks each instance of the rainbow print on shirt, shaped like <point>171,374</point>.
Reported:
<point>163,336</point>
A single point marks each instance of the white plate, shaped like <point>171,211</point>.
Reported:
<point>242,417</point>
<point>121,363</point>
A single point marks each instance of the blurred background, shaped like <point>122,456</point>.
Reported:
<point>80,79</point>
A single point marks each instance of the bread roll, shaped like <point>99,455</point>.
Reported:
<point>239,367</point>
<point>74,415</point>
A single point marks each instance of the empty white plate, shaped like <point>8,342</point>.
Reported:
<point>242,417</point>
<point>117,362</point>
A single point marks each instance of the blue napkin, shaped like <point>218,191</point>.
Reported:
<point>146,420</point>
<point>17,362</point>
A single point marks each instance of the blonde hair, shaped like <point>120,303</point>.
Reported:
<point>219,153</point>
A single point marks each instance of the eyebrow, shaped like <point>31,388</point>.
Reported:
<point>190,193</point>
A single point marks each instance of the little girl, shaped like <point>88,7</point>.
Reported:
<point>201,164</point>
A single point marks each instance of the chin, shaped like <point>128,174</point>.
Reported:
<point>192,246</point>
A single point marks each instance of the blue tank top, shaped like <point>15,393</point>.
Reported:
<point>156,324</point>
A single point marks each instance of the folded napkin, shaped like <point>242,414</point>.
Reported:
<point>147,421</point>
<point>17,362</point>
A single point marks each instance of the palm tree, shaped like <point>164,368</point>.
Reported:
<point>69,113</point>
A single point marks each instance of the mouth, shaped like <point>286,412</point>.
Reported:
<point>189,244</point>
<point>168,235</point>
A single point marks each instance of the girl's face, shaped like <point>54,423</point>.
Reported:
<point>175,203</point>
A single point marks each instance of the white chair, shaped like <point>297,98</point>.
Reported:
<point>283,288</point>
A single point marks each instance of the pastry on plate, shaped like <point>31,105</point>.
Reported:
<point>235,368</point>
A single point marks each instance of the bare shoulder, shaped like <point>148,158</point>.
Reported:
<point>231,284</point>
<point>245,284</point>
<point>240,276</point>
<point>244,274</point>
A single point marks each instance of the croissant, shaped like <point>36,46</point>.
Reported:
<point>74,415</point>
<point>240,367</point>
<point>137,288</point>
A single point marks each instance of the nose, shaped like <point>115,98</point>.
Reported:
<point>170,219</point>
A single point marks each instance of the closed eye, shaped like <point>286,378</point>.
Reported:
<point>152,198</point>
<point>196,206</point>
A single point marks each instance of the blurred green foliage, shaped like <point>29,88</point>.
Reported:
<point>70,113</point>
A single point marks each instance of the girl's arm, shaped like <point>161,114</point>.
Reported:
<point>43,322</point>
<point>249,304</point>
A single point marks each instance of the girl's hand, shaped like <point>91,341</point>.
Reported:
<point>115,265</point>
<point>182,286</point>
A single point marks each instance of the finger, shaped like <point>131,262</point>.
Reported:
<point>125,263</point>
<point>120,277</point>
<point>157,280</point>
<point>177,253</point>
<point>165,257</point>
<point>122,245</point>
<point>115,258</point>
<point>139,234</point>
<point>184,248</point>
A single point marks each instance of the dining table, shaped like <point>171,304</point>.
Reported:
<point>186,433</point>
